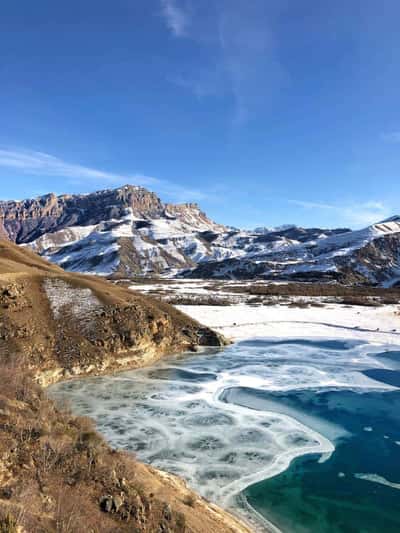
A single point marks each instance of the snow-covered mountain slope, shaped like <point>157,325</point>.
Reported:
<point>371,255</point>
<point>130,245</point>
<point>130,231</point>
<point>126,231</point>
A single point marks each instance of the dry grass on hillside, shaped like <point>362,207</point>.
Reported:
<point>57,474</point>
<point>74,324</point>
<point>347,295</point>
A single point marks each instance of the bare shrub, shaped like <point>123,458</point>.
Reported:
<point>8,524</point>
<point>359,300</point>
<point>16,380</point>
<point>68,513</point>
<point>301,304</point>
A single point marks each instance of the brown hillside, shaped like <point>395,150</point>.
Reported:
<point>56,473</point>
<point>68,324</point>
<point>14,259</point>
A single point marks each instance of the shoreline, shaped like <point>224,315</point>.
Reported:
<point>234,512</point>
<point>228,516</point>
<point>259,520</point>
<point>235,491</point>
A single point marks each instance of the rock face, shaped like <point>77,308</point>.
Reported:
<point>23,222</point>
<point>27,220</point>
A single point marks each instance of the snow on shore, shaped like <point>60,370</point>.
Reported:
<point>238,322</point>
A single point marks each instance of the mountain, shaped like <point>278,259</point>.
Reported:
<point>129,231</point>
<point>25,221</point>
<point>126,231</point>
<point>368,256</point>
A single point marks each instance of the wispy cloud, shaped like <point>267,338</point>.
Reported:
<point>238,50</point>
<point>354,214</point>
<point>176,17</point>
<point>42,164</point>
<point>391,137</point>
<point>311,205</point>
<point>249,54</point>
<point>202,83</point>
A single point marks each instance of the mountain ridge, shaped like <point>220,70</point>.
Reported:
<point>23,221</point>
<point>129,231</point>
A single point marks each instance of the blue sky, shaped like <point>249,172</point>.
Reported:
<point>265,112</point>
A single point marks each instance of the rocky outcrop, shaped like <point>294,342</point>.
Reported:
<point>378,262</point>
<point>27,220</point>
<point>191,215</point>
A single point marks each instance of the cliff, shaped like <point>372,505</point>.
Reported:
<point>26,220</point>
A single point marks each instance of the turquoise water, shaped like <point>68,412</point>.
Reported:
<point>346,493</point>
<point>306,431</point>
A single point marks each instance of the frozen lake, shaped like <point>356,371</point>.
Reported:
<point>251,423</point>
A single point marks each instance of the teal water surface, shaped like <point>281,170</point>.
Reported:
<point>349,492</point>
<point>307,431</point>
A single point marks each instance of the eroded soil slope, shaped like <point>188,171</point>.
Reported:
<point>66,324</point>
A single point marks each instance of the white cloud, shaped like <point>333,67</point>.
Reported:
<point>311,205</point>
<point>238,50</point>
<point>354,214</point>
<point>176,17</point>
<point>43,164</point>
<point>250,54</point>
<point>391,137</point>
<point>40,163</point>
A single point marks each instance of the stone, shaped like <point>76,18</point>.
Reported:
<point>106,504</point>
<point>167,512</point>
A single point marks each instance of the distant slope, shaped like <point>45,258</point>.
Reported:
<point>369,256</point>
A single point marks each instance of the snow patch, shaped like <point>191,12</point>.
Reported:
<point>64,297</point>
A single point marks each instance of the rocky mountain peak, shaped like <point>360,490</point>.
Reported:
<point>27,220</point>
<point>387,226</point>
<point>192,215</point>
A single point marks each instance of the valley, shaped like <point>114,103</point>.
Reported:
<point>163,326</point>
